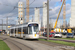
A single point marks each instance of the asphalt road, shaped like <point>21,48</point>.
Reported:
<point>20,44</point>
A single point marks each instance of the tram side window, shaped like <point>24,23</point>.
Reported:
<point>12,30</point>
<point>25,30</point>
<point>15,30</point>
<point>19,30</point>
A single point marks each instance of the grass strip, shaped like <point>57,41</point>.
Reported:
<point>3,45</point>
<point>67,38</point>
<point>59,42</point>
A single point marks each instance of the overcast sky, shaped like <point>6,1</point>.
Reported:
<point>7,9</point>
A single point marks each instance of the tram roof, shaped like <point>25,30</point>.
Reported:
<point>24,25</point>
<point>27,23</point>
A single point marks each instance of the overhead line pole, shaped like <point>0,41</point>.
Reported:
<point>7,24</point>
<point>2,25</point>
<point>47,19</point>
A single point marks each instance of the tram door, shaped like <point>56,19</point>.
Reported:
<point>13,32</point>
<point>19,32</point>
<point>21,36</point>
<point>16,31</point>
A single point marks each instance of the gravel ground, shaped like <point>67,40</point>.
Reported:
<point>21,44</point>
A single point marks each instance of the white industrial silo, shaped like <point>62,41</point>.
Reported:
<point>21,12</point>
<point>72,19</point>
<point>45,14</point>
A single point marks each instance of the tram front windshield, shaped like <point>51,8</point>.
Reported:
<point>35,28</point>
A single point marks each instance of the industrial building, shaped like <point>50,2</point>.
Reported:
<point>21,12</point>
<point>72,19</point>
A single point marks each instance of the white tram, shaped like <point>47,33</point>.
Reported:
<point>28,30</point>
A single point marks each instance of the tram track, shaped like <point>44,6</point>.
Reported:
<point>22,44</point>
<point>5,40</point>
<point>13,43</point>
<point>17,44</point>
<point>34,44</point>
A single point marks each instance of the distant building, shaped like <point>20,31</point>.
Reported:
<point>72,19</point>
<point>45,14</point>
<point>21,12</point>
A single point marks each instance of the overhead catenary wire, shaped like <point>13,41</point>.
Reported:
<point>31,3</point>
<point>13,15</point>
<point>17,7</point>
<point>31,7</point>
<point>11,6</point>
<point>35,7</point>
<point>25,8</point>
<point>8,5</point>
<point>14,7</point>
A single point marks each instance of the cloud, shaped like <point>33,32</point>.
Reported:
<point>55,11</point>
<point>7,6</point>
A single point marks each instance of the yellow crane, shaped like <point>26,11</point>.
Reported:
<point>59,14</point>
<point>68,30</point>
<point>58,17</point>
